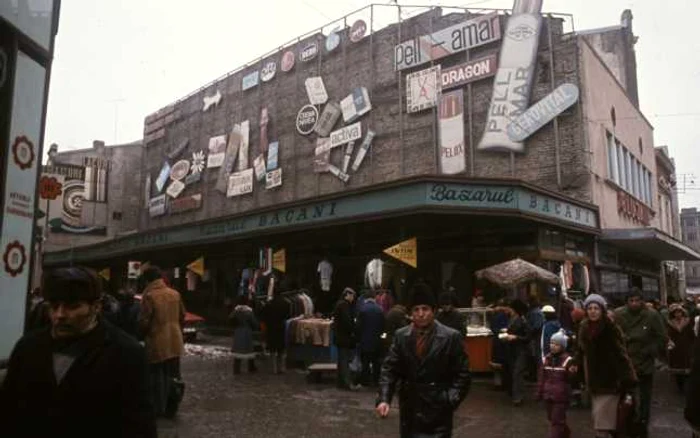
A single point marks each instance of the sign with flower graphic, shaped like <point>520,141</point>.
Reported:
<point>198,162</point>
<point>50,188</point>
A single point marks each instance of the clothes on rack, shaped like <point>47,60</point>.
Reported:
<point>325,271</point>
<point>191,279</point>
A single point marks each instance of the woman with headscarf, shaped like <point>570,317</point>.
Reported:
<point>607,369</point>
<point>518,339</point>
<point>680,344</point>
<point>244,323</point>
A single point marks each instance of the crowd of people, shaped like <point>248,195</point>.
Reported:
<point>89,360</point>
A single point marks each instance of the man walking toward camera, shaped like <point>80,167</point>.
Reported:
<point>645,337</point>
<point>79,377</point>
<point>428,360</point>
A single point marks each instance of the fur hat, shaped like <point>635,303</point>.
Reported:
<point>422,295</point>
<point>597,299</point>
<point>673,308</point>
<point>560,338</point>
<point>72,285</point>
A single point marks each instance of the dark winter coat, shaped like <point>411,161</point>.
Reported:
<point>344,325</point>
<point>275,315</point>
<point>432,388</point>
<point>244,323</point>
<point>554,378</point>
<point>104,393</point>
<point>692,401</point>
<point>396,318</point>
<point>603,359</point>
<point>454,320</point>
<point>128,317</point>
<point>682,337</point>
<point>370,326</point>
<point>645,337</point>
<point>548,330</point>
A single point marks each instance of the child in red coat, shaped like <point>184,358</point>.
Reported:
<point>554,385</point>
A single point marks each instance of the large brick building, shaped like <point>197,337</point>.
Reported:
<point>569,199</point>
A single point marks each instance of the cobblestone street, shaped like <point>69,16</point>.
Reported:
<point>219,404</point>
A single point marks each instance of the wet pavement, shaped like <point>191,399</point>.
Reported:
<point>219,404</point>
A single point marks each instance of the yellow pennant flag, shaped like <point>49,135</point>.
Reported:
<point>279,260</point>
<point>197,266</point>
<point>105,273</point>
<point>406,251</point>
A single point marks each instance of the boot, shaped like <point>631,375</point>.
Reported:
<point>236,366</point>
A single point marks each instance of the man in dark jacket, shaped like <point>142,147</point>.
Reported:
<point>692,401</point>
<point>645,339</point>
<point>370,326</point>
<point>448,314</point>
<point>344,328</point>
<point>428,360</point>
<point>78,375</point>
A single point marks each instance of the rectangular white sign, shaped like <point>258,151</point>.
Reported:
<point>346,134</point>
<point>329,117</point>
<point>273,179</point>
<point>322,159</point>
<point>240,183</point>
<point>163,177</point>
<point>243,151</point>
<point>355,104</point>
<point>259,166</point>
<point>451,133</point>
<point>234,142</point>
<point>175,188</point>
<point>362,151</point>
<point>156,206</point>
<point>250,80</point>
<point>217,151</point>
<point>511,87</point>
<point>316,90</point>
<point>422,89</point>
<point>460,37</point>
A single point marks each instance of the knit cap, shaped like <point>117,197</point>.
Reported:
<point>597,299</point>
<point>560,338</point>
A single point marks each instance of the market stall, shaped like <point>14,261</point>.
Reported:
<point>478,343</point>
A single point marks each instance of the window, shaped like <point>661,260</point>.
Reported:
<point>613,171</point>
<point>692,237</point>
<point>620,164</point>
<point>661,213</point>
<point>689,221</point>
<point>640,181</point>
<point>649,188</point>
<point>117,215</point>
<point>625,169</point>
<point>635,178</point>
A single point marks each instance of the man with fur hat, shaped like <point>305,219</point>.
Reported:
<point>645,339</point>
<point>428,360</point>
<point>79,377</point>
<point>554,385</point>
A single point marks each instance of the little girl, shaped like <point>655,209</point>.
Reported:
<point>554,385</point>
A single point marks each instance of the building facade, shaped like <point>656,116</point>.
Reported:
<point>354,138</point>
<point>690,226</point>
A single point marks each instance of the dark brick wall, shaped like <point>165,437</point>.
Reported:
<point>405,143</point>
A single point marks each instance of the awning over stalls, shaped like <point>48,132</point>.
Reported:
<point>650,242</point>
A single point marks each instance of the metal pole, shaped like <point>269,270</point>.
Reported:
<point>401,109</point>
<point>470,112</point>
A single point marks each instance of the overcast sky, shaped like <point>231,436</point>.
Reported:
<point>117,61</point>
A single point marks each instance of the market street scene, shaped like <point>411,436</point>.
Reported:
<point>313,219</point>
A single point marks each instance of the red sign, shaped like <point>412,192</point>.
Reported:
<point>287,61</point>
<point>23,152</point>
<point>358,30</point>
<point>469,72</point>
<point>50,188</point>
<point>632,208</point>
<point>14,258</point>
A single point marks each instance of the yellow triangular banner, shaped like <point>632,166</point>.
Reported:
<point>197,266</point>
<point>406,251</point>
<point>105,273</point>
<point>279,260</point>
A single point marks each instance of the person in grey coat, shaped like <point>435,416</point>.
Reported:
<point>244,323</point>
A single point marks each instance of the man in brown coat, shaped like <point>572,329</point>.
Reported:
<point>161,319</point>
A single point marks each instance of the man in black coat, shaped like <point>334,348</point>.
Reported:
<point>692,400</point>
<point>345,340</point>
<point>79,377</point>
<point>428,360</point>
<point>449,315</point>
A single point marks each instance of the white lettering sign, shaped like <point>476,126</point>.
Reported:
<point>346,134</point>
<point>175,188</point>
<point>451,132</point>
<point>240,183</point>
<point>460,37</point>
<point>217,151</point>
<point>250,80</point>
<point>355,105</point>
<point>542,112</point>
<point>316,90</point>
<point>422,89</point>
<point>469,72</point>
<point>156,206</point>
<point>273,179</point>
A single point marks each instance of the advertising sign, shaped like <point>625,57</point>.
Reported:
<point>156,206</point>
<point>332,40</point>
<point>329,117</point>
<point>264,120</point>
<point>193,178</point>
<point>234,143</point>
<point>355,105</point>
<point>469,72</point>
<point>346,134</point>
<point>307,117</point>
<point>175,188</point>
<point>186,203</point>
<point>309,52</point>
<point>322,160</point>
<point>245,146</point>
<point>240,183</point>
<point>451,133</point>
<point>133,270</point>
<point>279,260</point>
<point>516,68</point>
<point>268,71</point>
<point>180,170</point>
<point>250,80</point>
<point>259,166</point>
<point>349,148</point>
<point>454,39</point>
<point>287,63</point>
<point>162,177</point>
<point>362,151</point>
<point>406,251</point>
<point>272,156</point>
<point>273,179</point>
<point>422,89</point>
<point>358,31</point>
<point>316,90</point>
<point>542,112</point>
<point>344,177</point>
<point>217,151</point>
<point>199,161</point>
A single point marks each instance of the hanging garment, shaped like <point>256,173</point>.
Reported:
<point>374,274</point>
<point>586,280</point>
<point>562,279</point>
<point>191,278</point>
<point>325,270</point>
<point>568,274</point>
